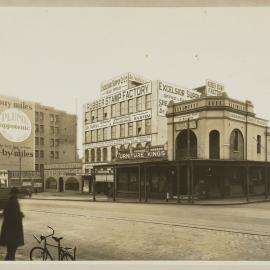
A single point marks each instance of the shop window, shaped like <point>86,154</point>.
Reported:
<point>51,183</point>
<point>98,155</point>
<point>148,126</point>
<point>92,155</point>
<point>259,146</point>
<point>139,127</point>
<point>130,129</point>
<point>105,154</point>
<point>122,130</point>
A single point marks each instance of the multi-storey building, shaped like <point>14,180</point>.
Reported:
<point>32,135</point>
<point>130,116</point>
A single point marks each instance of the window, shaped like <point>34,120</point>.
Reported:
<point>56,154</point>
<point>41,116</point>
<point>36,116</point>
<point>51,117</point>
<point>113,152</point>
<point>100,134</point>
<point>36,167</point>
<point>51,154</point>
<point>92,155</point>
<point>56,130</point>
<point>41,141</point>
<point>41,154</point>
<point>51,130</point>
<point>139,127</point>
<point>130,129</point>
<point>94,116</point>
<point>113,110</point>
<point>57,119</point>
<point>93,135</point>
<point>36,128</point>
<point>105,154</point>
<point>36,141</point>
<point>88,136</point>
<point>100,114</point>
<point>56,142</point>
<point>105,133</point>
<point>123,108</point>
<point>113,132</point>
<point>148,126</point>
<point>36,154</point>
<point>148,101</point>
<point>130,106</point>
<point>117,109</point>
<point>259,146</point>
<point>98,155</point>
<point>51,142</point>
<point>41,128</point>
<point>88,117</point>
<point>86,155</point>
<point>122,130</point>
<point>41,167</point>
<point>138,104</point>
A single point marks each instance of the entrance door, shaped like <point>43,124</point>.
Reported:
<point>61,184</point>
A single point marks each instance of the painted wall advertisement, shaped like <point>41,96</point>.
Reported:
<point>120,120</point>
<point>17,141</point>
<point>138,91</point>
<point>120,83</point>
<point>214,88</point>
<point>168,92</point>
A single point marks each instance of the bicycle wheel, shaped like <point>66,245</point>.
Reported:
<point>39,254</point>
<point>67,257</point>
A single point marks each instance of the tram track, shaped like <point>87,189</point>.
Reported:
<point>164,223</point>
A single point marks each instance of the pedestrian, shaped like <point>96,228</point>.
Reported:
<point>167,196</point>
<point>12,228</point>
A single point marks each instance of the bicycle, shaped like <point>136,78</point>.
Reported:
<point>40,253</point>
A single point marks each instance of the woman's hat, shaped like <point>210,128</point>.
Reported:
<point>14,190</point>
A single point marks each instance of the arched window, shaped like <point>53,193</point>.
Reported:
<point>139,146</point>
<point>72,184</point>
<point>214,147</point>
<point>236,145</point>
<point>92,155</point>
<point>122,147</point>
<point>98,155</point>
<point>105,154</point>
<point>182,149</point>
<point>259,142</point>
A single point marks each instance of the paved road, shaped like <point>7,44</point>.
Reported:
<point>123,231</point>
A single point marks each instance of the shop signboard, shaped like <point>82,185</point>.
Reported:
<point>170,92</point>
<point>184,118</point>
<point>120,120</point>
<point>249,119</point>
<point>155,153</point>
<point>124,95</point>
<point>214,88</point>
<point>186,125</point>
<point>17,138</point>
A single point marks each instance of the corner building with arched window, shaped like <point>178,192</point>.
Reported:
<point>219,148</point>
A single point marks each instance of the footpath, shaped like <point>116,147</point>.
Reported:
<point>86,197</point>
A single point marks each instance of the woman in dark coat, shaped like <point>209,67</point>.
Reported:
<point>12,228</point>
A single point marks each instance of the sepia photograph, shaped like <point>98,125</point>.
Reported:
<point>134,135</point>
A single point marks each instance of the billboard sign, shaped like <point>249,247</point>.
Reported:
<point>115,84</point>
<point>119,120</point>
<point>17,138</point>
<point>124,95</point>
<point>168,92</point>
<point>214,88</point>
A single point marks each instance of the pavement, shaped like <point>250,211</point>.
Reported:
<point>67,196</point>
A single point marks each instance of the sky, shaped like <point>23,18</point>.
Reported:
<point>60,56</point>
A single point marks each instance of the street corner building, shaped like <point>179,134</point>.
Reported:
<point>157,140</point>
<point>32,135</point>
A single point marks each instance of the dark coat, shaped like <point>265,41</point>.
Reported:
<point>12,228</point>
